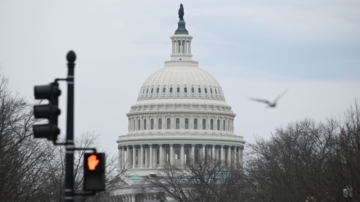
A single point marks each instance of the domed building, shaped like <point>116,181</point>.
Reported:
<point>180,114</point>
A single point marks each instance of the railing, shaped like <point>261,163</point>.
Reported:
<point>185,136</point>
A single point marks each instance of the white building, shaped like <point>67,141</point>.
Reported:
<point>180,113</point>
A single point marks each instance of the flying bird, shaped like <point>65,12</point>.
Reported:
<point>270,104</point>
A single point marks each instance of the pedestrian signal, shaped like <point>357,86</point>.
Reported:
<point>94,171</point>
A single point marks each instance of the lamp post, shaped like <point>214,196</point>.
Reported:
<point>347,193</point>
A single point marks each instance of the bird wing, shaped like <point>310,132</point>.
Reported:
<point>260,100</point>
<point>278,97</point>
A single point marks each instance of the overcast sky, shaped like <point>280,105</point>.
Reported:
<point>254,48</point>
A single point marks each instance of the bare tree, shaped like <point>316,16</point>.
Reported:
<point>56,170</point>
<point>307,161</point>
<point>33,170</point>
<point>201,181</point>
<point>21,158</point>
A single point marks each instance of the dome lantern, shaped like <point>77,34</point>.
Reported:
<point>181,41</point>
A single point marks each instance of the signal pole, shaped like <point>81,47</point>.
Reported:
<point>69,156</point>
<point>94,176</point>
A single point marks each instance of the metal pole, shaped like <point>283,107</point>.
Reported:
<point>69,157</point>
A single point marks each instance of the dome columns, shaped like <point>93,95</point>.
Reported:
<point>181,48</point>
<point>154,156</point>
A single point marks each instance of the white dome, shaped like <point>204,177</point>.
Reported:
<point>180,117</point>
<point>181,80</point>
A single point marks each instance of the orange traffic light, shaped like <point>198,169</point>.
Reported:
<point>92,162</point>
<point>94,171</point>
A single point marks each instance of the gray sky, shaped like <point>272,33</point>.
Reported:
<point>254,48</point>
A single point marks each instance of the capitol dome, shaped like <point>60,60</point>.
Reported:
<point>181,80</point>
<point>180,116</point>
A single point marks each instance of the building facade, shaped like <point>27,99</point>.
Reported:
<point>180,114</point>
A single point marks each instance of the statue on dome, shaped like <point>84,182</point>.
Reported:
<point>181,12</point>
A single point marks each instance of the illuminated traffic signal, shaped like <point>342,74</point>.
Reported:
<point>50,111</point>
<point>94,171</point>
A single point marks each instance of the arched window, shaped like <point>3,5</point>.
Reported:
<point>138,124</point>
<point>215,91</point>
<point>157,90</point>
<point>192,90</point>
<point>144,124</point>
<point>170,89</point>
<point>168,123</point>
<point>160,124</point>
<point>147,90</point>
<point>177,123</point>
<point>185,90</point>
<point>211,124</point>
<point>152,90</point>
<point>186,123</point>
<point>205,90</point>
<point>134,125</point>
<point>164,90</point>
<point>204,124</point>
<point>178,89</point>
<point>152,124</point>
<point>228,125</point>
<point>199,89</point>
<point>195,124</point>
<point>218,124</point>
<point>211,90</point>
<point>223,125</point>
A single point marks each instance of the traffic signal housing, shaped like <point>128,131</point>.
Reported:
<point>50,111</point>
<point>94,171</point>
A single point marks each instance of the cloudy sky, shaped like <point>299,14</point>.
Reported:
<point>254,48</point>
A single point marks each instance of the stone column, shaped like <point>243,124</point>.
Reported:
<point>193,152</point>
<point>229,156</point>
<point>119,157</point>
<point>127,162</point>
<point>232,125</point>
<point>203,151</point>
<point>241,155</point>
<point>185,46</point>
<point>146,157</point>
<point>233,156</point>
<point>213,152</point>
<point>171,153</point>
<point>129,158</point>
<point>133,198</point>
<point>222,156</point>
<point>160,155</point>
<point>123,162</point>
<point>134,156</point>
<point>154,163</point>
<point>141,162</point>
<point>189,47</point>
<point>173,47</point>
<point>151,156</point>
<point>181,46</point>
<point>182,156</point>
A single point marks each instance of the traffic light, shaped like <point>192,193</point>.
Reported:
<point>94,171</point>
<point>49,111</point>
